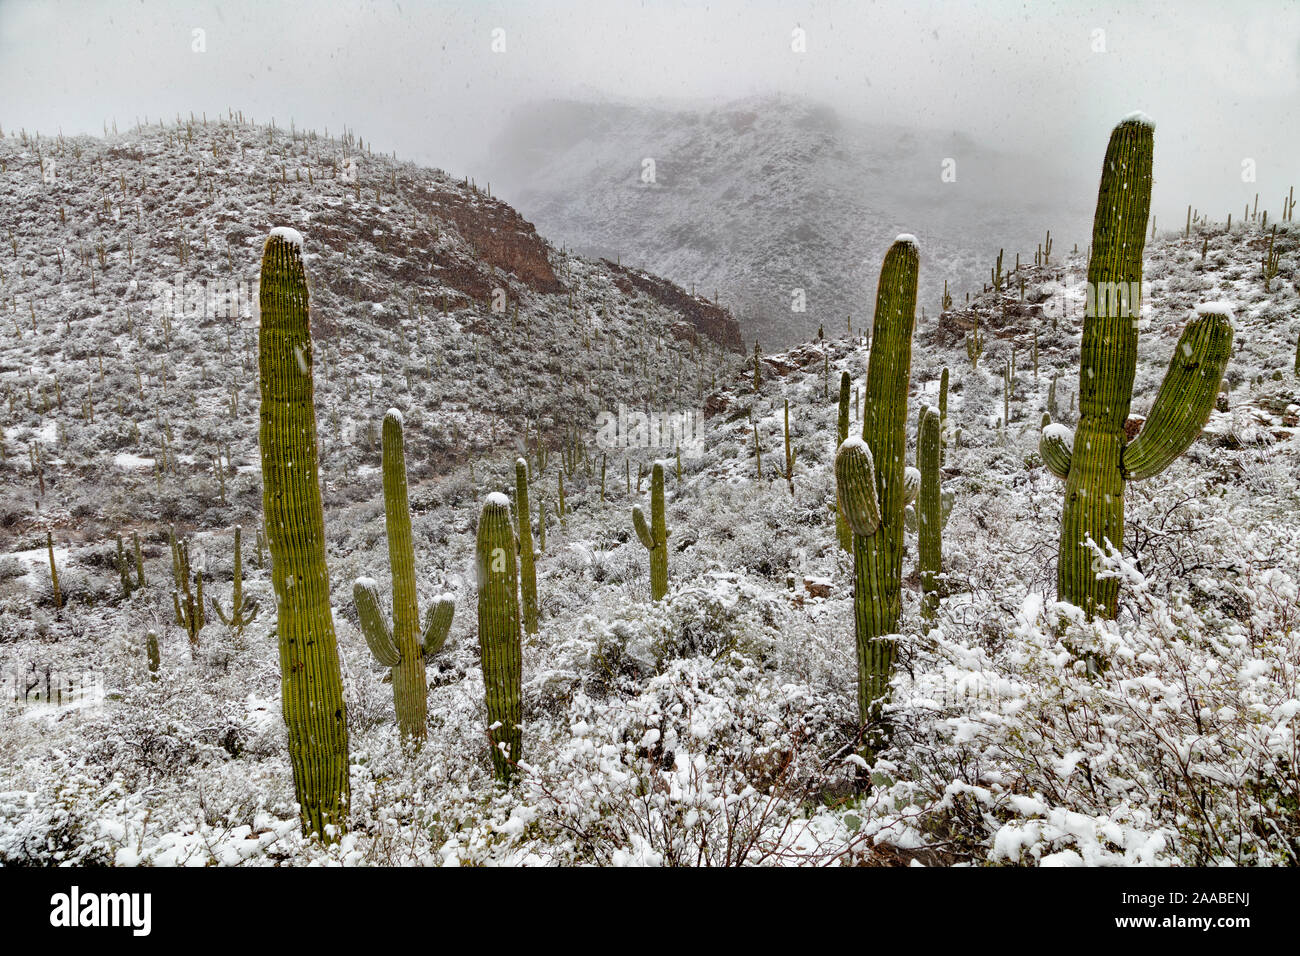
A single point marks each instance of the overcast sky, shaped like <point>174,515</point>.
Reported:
<point>1222,80</point>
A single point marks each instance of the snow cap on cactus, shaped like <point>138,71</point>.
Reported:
<point>291,236</point>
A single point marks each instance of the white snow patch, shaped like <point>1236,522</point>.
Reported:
<point>1139,117</point>
<point>1062,433</point>
<point>497,500</point>
<point>291,236</point>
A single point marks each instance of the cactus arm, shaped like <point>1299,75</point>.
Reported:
<point>315,714</point>
<point>911,485</point>
<point>855,486</point>
<point>410,688</point>
<point>499,632</point>
<point>1186,395</point>
<point>642,529</point>
<point>437,623</point>
<point>1055,445</point>
<point>374,623</point>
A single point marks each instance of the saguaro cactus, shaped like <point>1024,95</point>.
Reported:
<point>1097,460</point>
<point>655,535</point>
<point>527,560</point>
<point>498,632</point>
<point>311,683</point>
<point>929,507</point>
<point>242,612</point>
<point>842,530</point>
<point>869,474</point>
<point>401,646</point>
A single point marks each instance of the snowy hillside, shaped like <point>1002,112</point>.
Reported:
<point>718,726</point>
<point>767,195</point>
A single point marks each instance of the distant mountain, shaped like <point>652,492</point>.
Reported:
<point>769,195</point>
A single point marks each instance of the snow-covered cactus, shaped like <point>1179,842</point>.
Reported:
<point>54,570</point>
<point>527,560</point>
<point>187,598</point>
<point>1097,460</point>
<point>242,612</point>
<point>499,632</point>
<point>401,646</point>
<point>842,530</point>
<point>122,565</point>
<point>311,683</point>
<point>870,477</point>
<point>929,508</point>
<point>654,536</point>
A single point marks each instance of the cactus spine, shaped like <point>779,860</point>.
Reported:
<point>527,560</point>
<point>655,535</point>
<point>242,612</point>
<point>870,477</point>
<point>401,647</point>
<point>311,682</point>
<point>498,632</point>
<point>1096,461</point>
<point>929,527</point>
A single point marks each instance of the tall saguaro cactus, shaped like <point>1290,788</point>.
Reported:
<point>654,536</point>
<point>403,646</point>
<point>311,683</point>
<point>929,523</point>
<point>842,530</point>
<point>243,611</point>
<point>498,632</point>
<point>527,559</point>
<point>1097,459</point>
<point>869,475</point>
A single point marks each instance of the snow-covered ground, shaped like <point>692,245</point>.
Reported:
<point>717,726</point>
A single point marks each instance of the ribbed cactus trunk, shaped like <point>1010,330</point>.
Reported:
<point>410,689</point>
<point>878,557</point>
<point>1094,491</point>
<point>842,530</point>
<point>654,536</point>
<point>498,632</point>
<point>929,517</point>
<point>527,559</point>
<point>311,684</point>
<point>1096,460</point>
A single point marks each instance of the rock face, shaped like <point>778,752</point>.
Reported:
<point>502,238</point>
<point>712,321</point>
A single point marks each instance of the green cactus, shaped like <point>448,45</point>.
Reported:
<point>842,530</point>
<point>139,560</point>
<point>122,564</point>
<point>1096,460</point>
<point>527,560</point>
<point>242,611</point>
<point>870,478</point>
<point>54,570</point>
<point>654,536</point>
<point>499,632</point>
<point>151,650</point>
<point>311,681</point>
<point>187,598</point>
<point>401,646</point>
<point>929,510</point>
<point>790,454</point>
